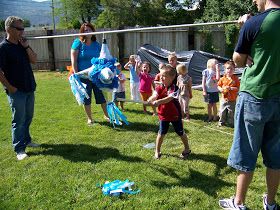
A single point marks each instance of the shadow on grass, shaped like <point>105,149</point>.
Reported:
<point>134,126</point>
<point>201,117</point>
<point>196,179</point>
<point>196,107</point>
<point>141,127</point>
<point>145,127</point>
<point>220,162</point>
<point>84,153</point>
<point>135,111</point>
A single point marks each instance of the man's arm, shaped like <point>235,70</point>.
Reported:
<point>31,54</point>
<point>239,59</point>
<point>4,81</point>
<point>242,19</point>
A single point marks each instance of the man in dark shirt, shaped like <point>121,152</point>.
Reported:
<point>257,113</point>
<point>18,80</point>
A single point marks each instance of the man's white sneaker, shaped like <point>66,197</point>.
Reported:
<point>31,144</point>
<point>21,155</point>
<point>268,207</point>
<point>228,204</point>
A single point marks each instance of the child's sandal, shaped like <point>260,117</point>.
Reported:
<point>157,156</point>
<point>185,155</point>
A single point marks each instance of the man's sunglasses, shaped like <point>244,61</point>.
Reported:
<point>18,28</point>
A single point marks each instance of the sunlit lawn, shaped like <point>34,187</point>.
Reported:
<point>75,158</point>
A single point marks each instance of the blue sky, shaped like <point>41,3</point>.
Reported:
<point>40,0</point>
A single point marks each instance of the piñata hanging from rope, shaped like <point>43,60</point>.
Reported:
<point>103,73</point>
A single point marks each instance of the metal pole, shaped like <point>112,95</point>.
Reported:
<point>135,29</point>
<point>53,17</point>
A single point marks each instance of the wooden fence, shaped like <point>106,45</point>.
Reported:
<point>54,53</point>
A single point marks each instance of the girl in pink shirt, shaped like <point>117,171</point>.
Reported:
<point>146,83</point>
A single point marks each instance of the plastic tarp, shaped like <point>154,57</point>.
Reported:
<point>195,60</point>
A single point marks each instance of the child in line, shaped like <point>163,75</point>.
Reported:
<point>120,91</point>
<point>169,110</point>
<point>228,85</point>
<point>184,83</point>
<point>210,78</point>
<point>158,75</point>
<point>134,78</point>
<point>146,83</point>
<point>172,60</point>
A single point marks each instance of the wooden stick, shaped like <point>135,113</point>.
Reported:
<point>86,71</point>
<point>133,101</point>
<point>157,82</point>
<point>135,29</point>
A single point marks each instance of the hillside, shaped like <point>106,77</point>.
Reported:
<point>36,12</point>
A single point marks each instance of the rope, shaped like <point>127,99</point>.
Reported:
<point>134,29</point>
<point>230,134</point>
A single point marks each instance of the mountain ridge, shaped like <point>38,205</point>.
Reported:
<point>36,12</point>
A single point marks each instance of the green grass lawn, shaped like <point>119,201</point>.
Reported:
<point>75,158</point>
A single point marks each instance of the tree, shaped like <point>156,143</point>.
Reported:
<point>79,10</point>
<point>163,12</point>
<point>223,10</point>
<point>219,10</point>
<point>2,25</point>
<point>143,12</point>
<point>26,23</point>
<point>182,11</point>
<point>117,13</point>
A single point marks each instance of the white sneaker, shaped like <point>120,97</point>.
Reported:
<point>31,144</point>
<point>107,118</point>
<point>90,122</point>
<point>228,204</point>
<point>267,207</point>
<point>21,155</point>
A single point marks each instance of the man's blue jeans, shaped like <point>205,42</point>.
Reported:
<point>22,106</point>
<point>257,128</point>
